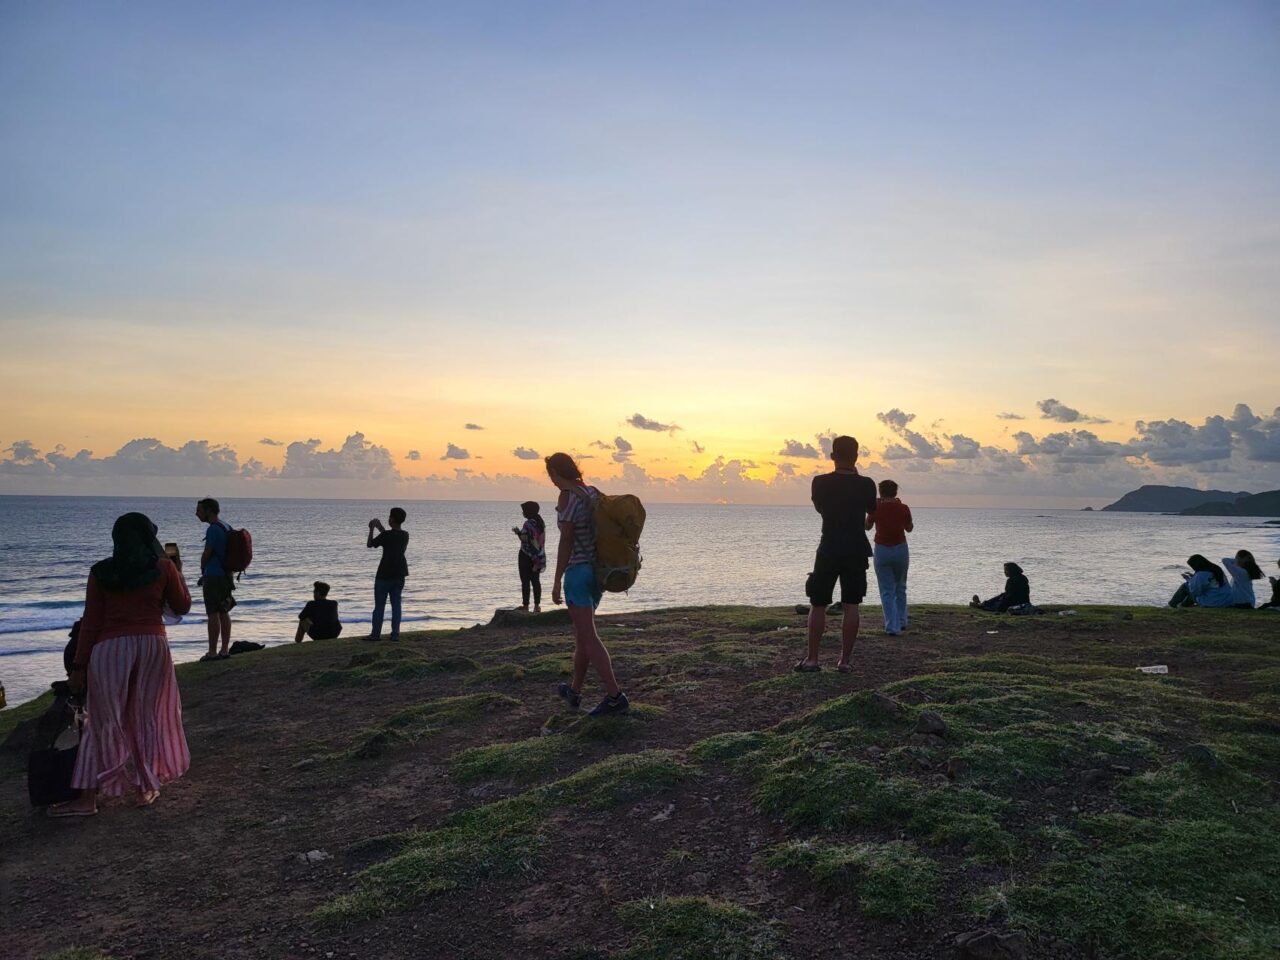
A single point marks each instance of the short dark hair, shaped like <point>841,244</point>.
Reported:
<point>322,588</point>
<point>209,505</point>
<point>397,515</point>
<point>888,489</point>
<point>563,465</point>
<point>844,448</point>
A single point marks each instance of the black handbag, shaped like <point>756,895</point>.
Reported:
<point>53,755</point>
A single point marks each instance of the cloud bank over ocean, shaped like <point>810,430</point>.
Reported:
<point>1241,450</point>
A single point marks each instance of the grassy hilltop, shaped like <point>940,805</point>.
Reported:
<point>981,787</point>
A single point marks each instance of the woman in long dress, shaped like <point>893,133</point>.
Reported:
<point>133,738</point>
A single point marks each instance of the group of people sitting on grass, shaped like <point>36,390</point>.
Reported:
<point>1209,585</point>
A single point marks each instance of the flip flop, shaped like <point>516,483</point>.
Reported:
<point>146,801</point>
<point>802,667</point>
<point>56,813</point>
<point>224,656</point>
<point>844,668</point>
<point>208,658</point>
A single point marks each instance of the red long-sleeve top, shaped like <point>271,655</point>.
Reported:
<point>132,613</point>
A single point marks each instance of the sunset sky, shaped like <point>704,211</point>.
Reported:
<point>1027,254</point>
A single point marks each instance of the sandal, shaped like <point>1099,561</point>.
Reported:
<point>844,668</point>
<point>62,810</point>
<point>224,656</point>
<point>208,658</point>
<point>147,799</point>
<point>802,667</point>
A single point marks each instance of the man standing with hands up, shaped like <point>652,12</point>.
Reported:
<point>392,570</point>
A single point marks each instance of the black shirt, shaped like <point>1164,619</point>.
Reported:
<point>1017,590</point>
<point>844,500</point>
<point>323,615</point>
<point>393,565</point>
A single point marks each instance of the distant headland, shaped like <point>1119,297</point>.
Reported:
<point>1190,502</point>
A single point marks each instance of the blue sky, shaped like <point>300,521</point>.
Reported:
<point>769,202</point>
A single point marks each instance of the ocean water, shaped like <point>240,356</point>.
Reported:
<point>462,562</point>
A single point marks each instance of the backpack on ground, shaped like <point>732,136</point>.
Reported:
<point>53,753</point>
<point>617,523</point>
<point>239,550</point>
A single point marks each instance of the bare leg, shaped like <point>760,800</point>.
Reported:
<point>214,626</point>
<point>588,641</point>
<point>224,622</point>
<point>849,630</point>
<point>817,626</point>
<point>303,627</point>
<point>580,664</point>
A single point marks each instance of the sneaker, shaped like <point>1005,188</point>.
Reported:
<point>610,706</point>
<point>569,696</point>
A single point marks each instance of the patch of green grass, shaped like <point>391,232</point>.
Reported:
<point>696,928</point>
<point>362,672</point>
<point>497,838</point>
<point>503,673</point>
<point>791,682</point>
<point>525,760</point>
<point>1172,890</point>
<point>890,879</point>
<point>422,720</point>
<point>679,855</point>
<point>728,746</point>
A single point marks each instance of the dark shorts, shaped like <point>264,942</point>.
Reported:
<point>850,571</point>
<point>218,594</point>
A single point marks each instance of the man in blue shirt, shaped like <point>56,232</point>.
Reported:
<point>215,580</point>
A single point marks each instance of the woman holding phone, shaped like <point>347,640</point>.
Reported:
<point>133,739</point>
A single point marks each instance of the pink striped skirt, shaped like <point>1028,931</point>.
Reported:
<point>133,739</point>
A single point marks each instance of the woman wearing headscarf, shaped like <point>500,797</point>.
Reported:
<point>1017,592</point>
<point>1206,585</point>
<point>532,559</point>
<point>133,738</point>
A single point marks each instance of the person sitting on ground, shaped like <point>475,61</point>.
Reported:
<point>1274,602</point>
<point>843,497</point>
<point>1243,570</point>
<point>1017,592</point>
<point>133,738</point>
<point>576,577</point>
<point>319,618</point>
<point>1205,586</point>
<point>532,558</point>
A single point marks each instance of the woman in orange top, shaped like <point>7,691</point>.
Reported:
<point>133,738</point>
<point>892,520</point>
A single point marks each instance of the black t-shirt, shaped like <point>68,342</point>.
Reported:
<point>323,615</point>
<point>844,500</point>
<point>393,565</point>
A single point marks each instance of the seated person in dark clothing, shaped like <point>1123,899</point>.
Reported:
<point>1017,591</point>
<point>319,618</point>
<point>1274,602</point>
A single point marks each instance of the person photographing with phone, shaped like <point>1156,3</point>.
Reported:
<point>393,568</point>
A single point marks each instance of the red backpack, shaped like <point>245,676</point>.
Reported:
<point>239,550</point>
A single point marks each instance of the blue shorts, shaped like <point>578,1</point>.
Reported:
<point>580,587</point>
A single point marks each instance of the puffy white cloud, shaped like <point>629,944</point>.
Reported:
<point>1069,447</point>
<point>1260,436</point>
<point>413,455</point>
<point>917,447</point>
<point>524,453</point>
<point>641,422</point>
<point>472,426</point>
<point>895,419</point>
<point>796,448</point>
<point>454,452</point>
<point>621,450</point>
<point>1052,409</point>
<point>356,459</point>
